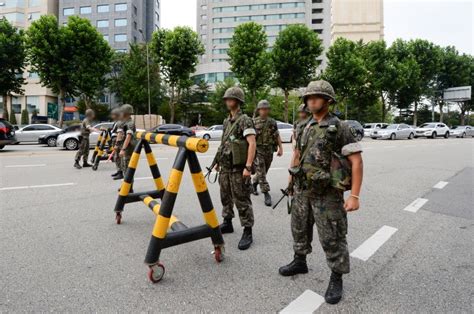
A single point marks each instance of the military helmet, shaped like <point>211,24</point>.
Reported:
<point>263,104</point>
<point>115,111</point>
<point>235,93</point>
<point>320,87</point>
<point>89,113</point>
<point>126,109</point>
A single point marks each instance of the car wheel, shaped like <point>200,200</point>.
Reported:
<point>463,135</point>
<point>433,135</point>
<point>51,141</point>
<point>411,136</point>
<point>71,144</point>
<point>446,135</point>
<point>206,136</point>
<point>393,136</point>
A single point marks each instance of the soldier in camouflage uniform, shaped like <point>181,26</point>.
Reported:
<point>298,126</point>
<point>126,132</point>
<point>115,143</point>
<point>317,200</point>
<point>268,141</point>
<point>234,162</point>
<point>84,146</point>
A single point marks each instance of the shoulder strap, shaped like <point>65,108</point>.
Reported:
<point>232,127</point>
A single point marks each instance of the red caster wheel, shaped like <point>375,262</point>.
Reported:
<point>218,254</point>
<point>118,218</point>
<point>156,272</point>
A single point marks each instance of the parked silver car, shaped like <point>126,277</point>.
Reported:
<point>462,131</point>
<point>31,132</point>
<point>394,131</point>
<point>371,127</point>
<point>70,141</point>
<point>432,129</point>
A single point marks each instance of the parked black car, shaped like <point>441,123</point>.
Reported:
<point>357,127</point>
<point>173,129</point>
<point>50,139</point>
<point>7,133</point>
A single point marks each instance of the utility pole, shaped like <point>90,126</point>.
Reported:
<point>148,75</point>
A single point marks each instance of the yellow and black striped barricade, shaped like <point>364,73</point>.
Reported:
<point>125,196</point>
<point>178,233</point>
<point>97,145</point>
<point>105,138</point>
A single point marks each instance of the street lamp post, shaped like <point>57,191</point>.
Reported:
<point>148,76</point>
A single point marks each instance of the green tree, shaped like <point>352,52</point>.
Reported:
<point>13,118</point>
<point>294,59</point>
<point>177,52</point>
<point>25,119</point>
<point>249,57</point>
<point>50,53</point>
<point>102,112</point>
<point>92,59</point>
<point>12,61</point>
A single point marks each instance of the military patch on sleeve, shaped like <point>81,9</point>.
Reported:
<point>353,132</point>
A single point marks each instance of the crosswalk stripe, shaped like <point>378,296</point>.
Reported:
<point>372,244</point>
<point>308,302</point>
<point>416,205</point>
<point>440,185</point>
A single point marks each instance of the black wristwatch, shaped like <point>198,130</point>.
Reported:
<point>249,168</point>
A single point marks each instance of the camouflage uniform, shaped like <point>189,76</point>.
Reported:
<point>84,145</point>
<point>116,142</point>
<point>127,127</point>
<point>267,142</point>
<point>234,188</point>
<point>316,201</point>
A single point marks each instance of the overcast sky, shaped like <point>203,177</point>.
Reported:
<point>445,22</point>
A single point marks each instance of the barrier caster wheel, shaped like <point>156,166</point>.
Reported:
<point>118,218</point>
<point>156,272</point>
<point>218,254</point>
<point>94,167</point>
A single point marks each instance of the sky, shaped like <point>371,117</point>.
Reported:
<point>444,22</point>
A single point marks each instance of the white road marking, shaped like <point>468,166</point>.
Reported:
<point>142,178</point>
<point>278,168</point>
<point>25,166</point>
<point>307,302</point>
<point>440,185</point>
<point>36,186</point>
<point>416,205</point>
<point>372,244</point>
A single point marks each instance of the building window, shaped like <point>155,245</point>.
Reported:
<point>68,11</point>
<point>317,1</point>
<point>317,21</point>
<point>35,3</point>
<point>16,105</point>
<point>203,27</point>
<point>317,11</point>
<point>204,37</point>
<point>204,17</point>
<point>32,103</point>
<point>318,31</point>
<point>85,10</point>
<point>102,23</point>
<point>103,8</point>
<point>135,25</point>
<point>121,50</point>
<point>204,7</point>
<point>120,38</point>
<point>120,22</point>
<point>120,7</point>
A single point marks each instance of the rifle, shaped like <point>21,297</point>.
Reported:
<point>286,193</point>
<point>212,166</point>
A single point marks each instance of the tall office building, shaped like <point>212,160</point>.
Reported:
<point>357,20</point>
<point>21,13</point>
<point>121,22</point>
<point>217,19</point>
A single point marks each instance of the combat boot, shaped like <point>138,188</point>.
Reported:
<point>119,176</point>
<point>334,292</point>
<point>114,174</point>
<point>297,266</point>
<point>86,165</point>
<point>226,226</point>
<point>268,199</point>
<point>77,165</point>
<point>254,188</point>
<point>246,239</point>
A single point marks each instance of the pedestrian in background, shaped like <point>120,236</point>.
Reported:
<point>84,146</point>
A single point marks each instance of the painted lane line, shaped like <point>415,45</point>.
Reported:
<point>308,302</point>
<point>36,186</point>
<point>416,205</point>
<point>278,168</point>
<point>440,185</point>
<point>372,244</point>
<point>25,166</point>
<point>142,178</point>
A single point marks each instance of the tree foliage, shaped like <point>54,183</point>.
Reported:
<point>25,119</point>
<point>294,59</point>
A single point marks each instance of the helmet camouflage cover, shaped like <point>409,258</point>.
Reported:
<point>89,112</point>
<point>126,109</point>
<point>322,88</point>
<point>115,111</point>
<point>235,93</point>
<point>263,104</point>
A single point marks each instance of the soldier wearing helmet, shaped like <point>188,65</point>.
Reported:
<point>115,115</point>
<point>268,141</point>
<point>235,158</point>
<point>126,135</point>
<point>298,126</point>
<point>86,129</point>
<point>319,187</point>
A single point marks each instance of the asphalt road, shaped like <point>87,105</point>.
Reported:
<point>411,242</point>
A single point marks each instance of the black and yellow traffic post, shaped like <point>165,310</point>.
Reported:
<point>105,137</point>
<point>167,230</point>
<point>96,148</point>
<point>125,196</point>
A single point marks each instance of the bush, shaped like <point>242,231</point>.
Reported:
<point>25,119</point>
<point>13,118</point>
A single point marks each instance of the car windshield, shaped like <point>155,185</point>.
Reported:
<point>458,127</point>
<point>368,126</point>
<point>391,126</point>
<point>428,125</point>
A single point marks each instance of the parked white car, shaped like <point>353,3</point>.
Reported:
<point>286,131</point>
<point>371,127</point>
<point>432,129</point>
<point>31,132</point>
<point>394,132</point>
<point>212,133</point>
<point>462,131</point>
<point>70,141</point>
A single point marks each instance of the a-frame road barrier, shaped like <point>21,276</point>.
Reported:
<point>163,206</point>
<point>105,137</point>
